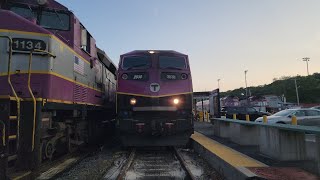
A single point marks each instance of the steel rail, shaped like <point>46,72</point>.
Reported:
<point>127,165</point>
<point>184,164</point>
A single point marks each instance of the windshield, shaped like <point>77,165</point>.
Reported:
<point>48,19</point>
<point>172,62</point>
<point>284,113</point>
<point>136,62</point>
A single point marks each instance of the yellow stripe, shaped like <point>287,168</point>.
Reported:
<point>45,35</point>
<point>70,102</point>
<point>142,95</point>
<point>13,117</point>
<point>54,74</point>
<point>229,155</point>
<point>12,137</point>
<point>53,101</point>
<point>7,97</point>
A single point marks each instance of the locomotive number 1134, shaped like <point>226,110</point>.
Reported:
<point>22,44</point>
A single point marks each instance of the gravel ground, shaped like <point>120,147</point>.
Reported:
<point>97,164</point>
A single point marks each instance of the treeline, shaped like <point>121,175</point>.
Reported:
<point>308,88</point>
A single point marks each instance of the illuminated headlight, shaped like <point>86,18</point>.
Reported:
<point>124,76</point>
<point>133,101</point>
<point>176,101</point>
<point>184,76</point>
<point>42,2</point>
<point>151,52</point>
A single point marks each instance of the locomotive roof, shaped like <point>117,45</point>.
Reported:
<point>51,4</point>
<point>104,58</point>
<point>156,51</point>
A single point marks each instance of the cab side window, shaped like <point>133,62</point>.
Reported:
<point>85,40</point>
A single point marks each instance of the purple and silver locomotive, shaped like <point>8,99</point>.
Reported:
<point>154,98</point>
<point>57,89</point>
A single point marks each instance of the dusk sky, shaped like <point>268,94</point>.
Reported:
<point>222,38</point>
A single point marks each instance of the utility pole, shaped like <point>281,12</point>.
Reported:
<point>306,59</point>
<point>219,84</point>
<point>245,78</point>
<point>295,83</point>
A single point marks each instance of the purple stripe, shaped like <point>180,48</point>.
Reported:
<point>50,87</point>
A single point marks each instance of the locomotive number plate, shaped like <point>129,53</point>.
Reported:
<point>21,44</point>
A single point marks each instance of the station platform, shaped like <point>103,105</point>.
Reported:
<point>242,162</point>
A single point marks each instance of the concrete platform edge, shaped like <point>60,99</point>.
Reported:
<point>225,169</point>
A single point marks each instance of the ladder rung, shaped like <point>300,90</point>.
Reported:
<point>13,157</point>
<point>13,117</point>
<point>12,137</point>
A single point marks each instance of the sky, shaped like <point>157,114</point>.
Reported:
<point>223,38</point>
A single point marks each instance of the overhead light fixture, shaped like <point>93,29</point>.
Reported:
<point>42,2</point>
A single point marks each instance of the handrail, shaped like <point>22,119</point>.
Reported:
<point>31,93</point>
<point>3,133</point>
<point>12,88</point>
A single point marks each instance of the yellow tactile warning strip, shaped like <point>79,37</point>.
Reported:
<point>229,155</point>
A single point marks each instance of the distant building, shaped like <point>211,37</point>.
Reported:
<point>273,101</point>
<point>258,101</point>
<point>229,101</point>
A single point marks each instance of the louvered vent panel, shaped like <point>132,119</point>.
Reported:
<point>84,94</point>
<point>77,93</point>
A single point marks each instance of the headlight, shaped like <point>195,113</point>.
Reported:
<point>176,101</point>
<point>124,76</point>
<point>133,101</point>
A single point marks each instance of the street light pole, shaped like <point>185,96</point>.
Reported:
<point>219,84</point>
<point>245,78</point>
<point>306,59</point>
<point>297,92</point>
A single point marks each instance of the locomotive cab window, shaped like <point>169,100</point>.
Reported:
<point>49,19</point>
<point>55,20</point>
<point>136,62</point>
<point>172,62</point>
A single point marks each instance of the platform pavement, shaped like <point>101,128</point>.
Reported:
<point>251,151</point>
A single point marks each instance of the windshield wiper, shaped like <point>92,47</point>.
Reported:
<point>136,66</point>
<point>176,68</point>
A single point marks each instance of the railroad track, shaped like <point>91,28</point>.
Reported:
<point>154,164</point>
<point>53,169</point>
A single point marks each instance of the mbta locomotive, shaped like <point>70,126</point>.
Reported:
<point>57,89</point>
<point>154,99</point>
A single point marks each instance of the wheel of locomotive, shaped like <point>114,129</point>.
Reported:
<point>49,150</point>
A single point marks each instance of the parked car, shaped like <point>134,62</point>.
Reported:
<point>306,117</point>
<point>316,107</point>
<point>241,112</point>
